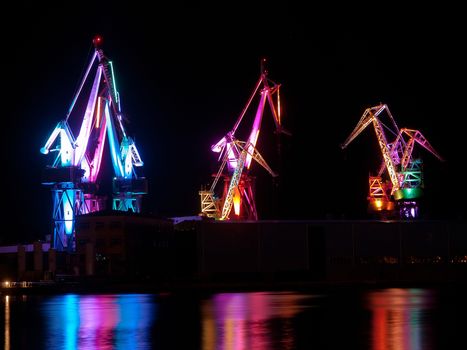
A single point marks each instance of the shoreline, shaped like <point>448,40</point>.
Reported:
<point>209,287</point>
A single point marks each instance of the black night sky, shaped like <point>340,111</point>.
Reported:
<point>185,72</point>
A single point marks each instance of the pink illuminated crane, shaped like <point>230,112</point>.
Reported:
<point>236,158</point>
<point>404,186</point>
<point>73,174</point>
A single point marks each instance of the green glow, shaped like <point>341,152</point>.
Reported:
<point>114,82</point>
<point>408,193</point>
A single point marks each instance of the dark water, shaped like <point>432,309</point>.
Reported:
<point>393,318</point>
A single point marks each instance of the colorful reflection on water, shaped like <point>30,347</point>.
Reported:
<point>98,321</point>
<point>7,323</point>
<point>250,320</point>
<point>392,318</point>
<point>398,318</point>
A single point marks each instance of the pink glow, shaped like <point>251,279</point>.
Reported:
<point>96,328</point>
<point>86,126</point>
<point>242,320</point>
<point>98,113</point>
<point>218,147</point>
<point>255,130</point>
<point>97,159</point>
<point>232,157</point>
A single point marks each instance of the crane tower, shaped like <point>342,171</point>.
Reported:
<point>76,161</point>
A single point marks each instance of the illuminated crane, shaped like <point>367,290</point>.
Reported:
<point>74,171</point>
<point>405,184</point>
<point>236,156</point>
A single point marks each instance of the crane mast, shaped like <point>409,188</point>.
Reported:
<point>73,173</point>
<point>127,186</point>
<point>404,172</point>
<point>237,156</point>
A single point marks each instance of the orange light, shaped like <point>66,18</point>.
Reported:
<point>236,202</point>
<point>279,105</point>
<point>379,203</point>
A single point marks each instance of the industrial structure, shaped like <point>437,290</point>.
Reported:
<point>237,188</point>
<point>73,174</point>
<point>399,192</point>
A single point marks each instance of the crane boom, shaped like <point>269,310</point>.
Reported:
<point>383,145</point>
<point>371,116</point>
<point>365,120</point>
<point>416,136</point>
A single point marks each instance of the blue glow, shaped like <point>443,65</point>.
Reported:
<point>61,314</point>
<point>51,139</point>
<point>128,166</point>
<point>66,149</point>
<point>71,321</point>
<point>113,144</point>
<point>98,322</point>
<point>68,214</point>
<point>87,170</point>
<point>126,156</point>
<point>137,315</point>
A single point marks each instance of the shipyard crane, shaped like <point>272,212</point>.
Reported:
<point>405,172</point>
<point>236,157</point>
<point>127,186</point>
<point>76,161</point>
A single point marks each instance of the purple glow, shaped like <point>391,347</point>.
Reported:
<point>82,83</point>
<point>242,320</point>
<point>99,321</point>
<point>97,160</point>
<point>255,130</point>
<point>87,124</point>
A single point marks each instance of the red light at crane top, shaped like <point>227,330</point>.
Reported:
<point>97,41</point>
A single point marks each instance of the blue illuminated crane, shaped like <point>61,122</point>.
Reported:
<point>74,170</point>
